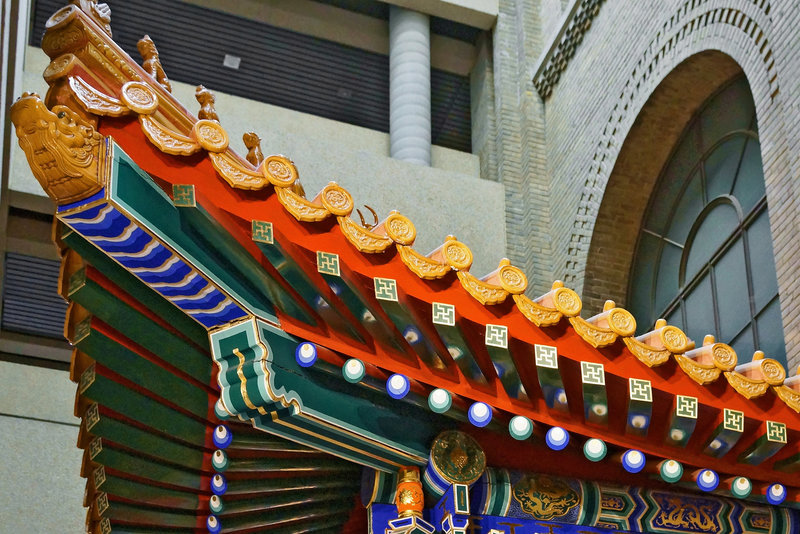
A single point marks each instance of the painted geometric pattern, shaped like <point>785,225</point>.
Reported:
<point>386,289</point>
<point>593,373</point>
<point>640,390</point>
<point>546,356</point>
<point>328,263</point>
<point>686,407</point>
<point>262,232</point>
<point>444,314</point>
<point>154,264</point>
<point>183,195</point>
<point>733,420</point>
<point>776,432</point>
<point>497,336</point>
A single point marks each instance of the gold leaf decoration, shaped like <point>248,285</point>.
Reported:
<point>420,265</point>
<point>236,174</point>
<point>300,208</point>
<point>595,336</point>
<point>166,139</point>
<point>211,135</point>
<point>700,373</point>
<point>63,151</point>
<point>94,101</point>
<point>536,313</point>
<point>483,292</point>
<point>746,387</point>
<point>279,170</point>
<point>361,238</point>
<point>645,353</point>
<point>139,97</point>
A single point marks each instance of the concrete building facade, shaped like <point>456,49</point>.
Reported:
<point>576,107</point>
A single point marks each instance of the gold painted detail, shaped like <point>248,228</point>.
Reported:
<point>536,313</point>
<point>139,97</point>
<point>788,396</point>
<point>674,339</point>
<point>95,101</point>
<point>773,371</point>
<point>166,139</point>
<point>701,373</point>
<point>63,151</point>
<point>279,170</point>
<point>594,335</point>
<point>233,172</point>
<point>336,200</point>
<point>420,265</point>
<point>151,62</point>
<point>483,292</point>
<point>400,229</point>
<point>361,238</point>
<point>621,322</point>
<point>747,387</point>
<point>567,301</point>
<point>513,280</point>
<point>545,497</point>
<point>646,354</point>
<point>724,356</point>
<point>457,254</point>
<point>210,135</point>
<point>457,457</point>
<point>300,208</point>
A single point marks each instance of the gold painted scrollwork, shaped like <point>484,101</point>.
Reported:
<point>95,101</point>
<point>64,152</point>
<point>746,387</point>
<point>483,292</point>
<point>139,97</point>
<point>337,200</point>
<point>594,335</point>
<point>279,170</point>
<point>166,139</point>
<point>645,353</point>
<point>420,265</point>
<point>237,176</point>
<point>400,229</point>
<point>210,135</point>
<point>300,208</point>
<point>361,238</point>
<point>536,313</point>
<point>701,373</point>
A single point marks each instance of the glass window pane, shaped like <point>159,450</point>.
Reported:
<point>718,225</point>
<point>689,207</point>
<point>676,319</point>
<point>731,110</point>
<point>743,345</point>
<point>770,332</point>
<point>678,169</point>
<point>700,311</point>
<point>765,281</point>
<point>733,301</point>
<point>749,186</point>
<point>667,277</point>
<point>641,304</point>
<point>721,166</point>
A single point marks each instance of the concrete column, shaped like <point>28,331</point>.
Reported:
<point>409,86</point>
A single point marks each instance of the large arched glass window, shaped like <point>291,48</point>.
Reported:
<point>704,258</point>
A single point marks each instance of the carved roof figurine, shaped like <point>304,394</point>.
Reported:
<point>252,142</point>
<point>100,13</point>
<point>207,100</point>
<point>152,63</point>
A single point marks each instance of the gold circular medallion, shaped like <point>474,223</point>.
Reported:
<point>458,255</point>
<point>279,170</point>
<point>513,279</point>
<point>400,229</point>
<point>457,457</point>
<point>59,67</point>
<point>210,135</point>
<point>773,371</point>
<point>674,339</point>
<point>567,302</point>
<point>724,356</point>
<point>139,97</point>
<point>622,322</point>
<point>61,17</point>
<point>337,200</point>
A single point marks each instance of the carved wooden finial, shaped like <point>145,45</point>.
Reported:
<point>151,62</point>
<point>206,99</point>
<point>100,13</point>
<point>253,144</point>
<point>364,222</point>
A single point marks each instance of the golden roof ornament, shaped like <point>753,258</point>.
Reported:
<point>99,13</point>
<point>151,63</point>
<point>207,100</point>
<point>253,144</point>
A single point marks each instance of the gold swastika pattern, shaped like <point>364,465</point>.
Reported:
<point>262,232</point>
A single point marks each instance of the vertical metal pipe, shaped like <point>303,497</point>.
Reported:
<point>410,86</point>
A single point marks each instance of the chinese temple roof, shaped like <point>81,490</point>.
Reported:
<point>336,341</point>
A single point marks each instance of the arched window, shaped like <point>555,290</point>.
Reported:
<point>704,258</point>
